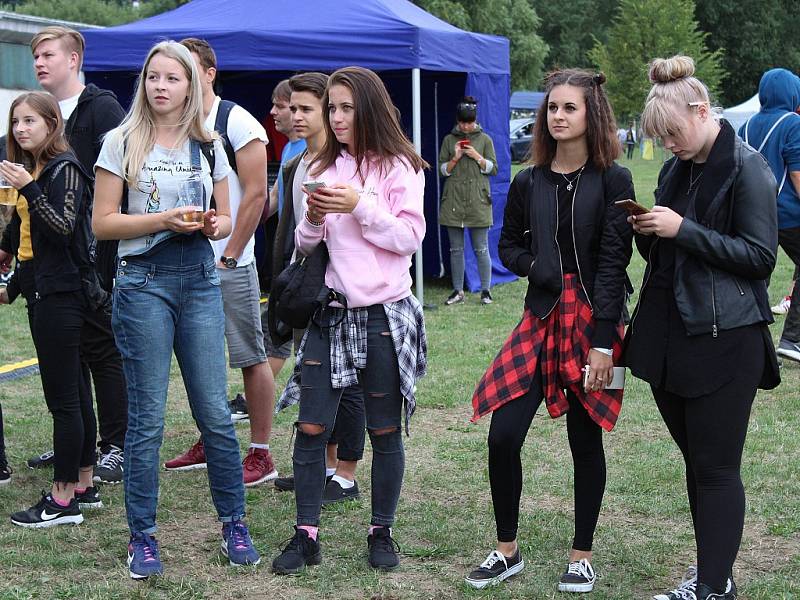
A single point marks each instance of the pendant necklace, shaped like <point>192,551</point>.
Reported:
<point>692,179</point>
<point>567,179</point>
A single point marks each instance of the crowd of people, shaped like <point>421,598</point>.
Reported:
<point>133,238</point>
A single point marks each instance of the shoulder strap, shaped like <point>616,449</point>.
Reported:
<point>207,149</point>
<point>221,127</point>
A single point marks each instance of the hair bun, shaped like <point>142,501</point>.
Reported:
<point>664,70</point>
<point>599,78</point>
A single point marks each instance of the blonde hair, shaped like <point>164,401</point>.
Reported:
<point>675,91</point>
<point>72,40</point>
<point>138,129</point>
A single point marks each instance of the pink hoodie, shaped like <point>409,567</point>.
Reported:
<point>370,248</point>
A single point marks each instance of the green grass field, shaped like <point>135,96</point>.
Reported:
<point>445,522</point>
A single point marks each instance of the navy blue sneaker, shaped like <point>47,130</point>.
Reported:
<point>143,556</point>
<point>237,545</point>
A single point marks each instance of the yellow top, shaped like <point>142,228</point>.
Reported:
<point>25,251</point>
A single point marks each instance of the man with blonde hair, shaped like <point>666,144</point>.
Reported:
<point>88,112</point>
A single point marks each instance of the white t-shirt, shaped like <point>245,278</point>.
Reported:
<point>68,106</point>
<point>243,128</point>
<point>157,187</point>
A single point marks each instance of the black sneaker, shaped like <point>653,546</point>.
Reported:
<point>334,493</point>
<point>238,408</point>
<point>301,551</point>
<point>46,513</point>
<point>109,465</point>
<point>486,297</point>
<point>688,587</point>
<point>579,577</point>
<point>286,484</point>
<point>89,498</point>
<point>495,569</point>
<point>5,471</point>
<point>45,459</point>
<point>383,550</point>
<point>704,592</point>
<point>455,298</point>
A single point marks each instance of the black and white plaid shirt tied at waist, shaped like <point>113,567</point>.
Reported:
<point>348,350</point>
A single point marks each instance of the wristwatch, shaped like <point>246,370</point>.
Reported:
<point>228,261</point>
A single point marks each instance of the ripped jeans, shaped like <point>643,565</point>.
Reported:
<point>480,246</point>
<point>378,391</point>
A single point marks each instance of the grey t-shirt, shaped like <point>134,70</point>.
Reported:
<point>157,186</point>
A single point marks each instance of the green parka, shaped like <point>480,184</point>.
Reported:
<point>467,200</point>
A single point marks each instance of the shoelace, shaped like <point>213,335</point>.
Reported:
<point>240,535</point>
<point>581,568</point>
<point>686,590</point>
<point>385,542</point>
<point>256,461</point>
<point>296,542</point>
<point>148,547</point>
<point>111,460</point>
<point>493,558</point>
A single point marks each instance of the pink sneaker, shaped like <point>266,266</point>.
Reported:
<point>257,467</point>
<point>194,458</point>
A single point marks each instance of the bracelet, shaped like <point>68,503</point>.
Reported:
<point>315,223</point>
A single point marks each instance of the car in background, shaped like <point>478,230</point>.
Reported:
<point>521,134</point>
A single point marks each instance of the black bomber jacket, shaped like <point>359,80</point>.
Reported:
<point>601,234</point>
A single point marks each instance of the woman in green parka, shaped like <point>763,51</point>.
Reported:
<point>466,160</point>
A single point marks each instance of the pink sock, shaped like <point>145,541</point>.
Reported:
<point>64,503</point>
<point>372,529</point>
<point>312,531</point>
<point>80,490</point>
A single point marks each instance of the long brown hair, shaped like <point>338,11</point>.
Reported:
<point>377,133</point>
<point>601,127</point>
<point>54,144</point>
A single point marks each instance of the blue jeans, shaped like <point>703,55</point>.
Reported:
<point>480,246</point>
<point>172,301</point>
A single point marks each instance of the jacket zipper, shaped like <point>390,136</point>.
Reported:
<point>738,287</point>
<point>714,331</point>
<point>575,247</point>
<point>560,264</point>
<point>648,272</point>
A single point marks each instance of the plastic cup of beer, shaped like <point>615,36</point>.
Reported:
<point>193,216</point>
<point>8,195</point>
<point>190,193</point>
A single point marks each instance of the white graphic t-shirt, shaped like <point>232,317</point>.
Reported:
<point>159,180</point>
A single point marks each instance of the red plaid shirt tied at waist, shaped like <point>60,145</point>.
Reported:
<point>560,345</point>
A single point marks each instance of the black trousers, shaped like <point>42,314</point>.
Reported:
<point>2,437</point>
<point>710,431</point>
<point>56,322</point>
<point>101,363</point>
<point>510,425</point>
<point>789,240</point>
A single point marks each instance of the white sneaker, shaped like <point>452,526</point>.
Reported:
<point>782,307</point>
<point>579,577</point>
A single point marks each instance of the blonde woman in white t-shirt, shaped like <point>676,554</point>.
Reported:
<point>166,294</point>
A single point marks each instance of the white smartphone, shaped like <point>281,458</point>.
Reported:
<point>616,383</point>
<point>313,186</point>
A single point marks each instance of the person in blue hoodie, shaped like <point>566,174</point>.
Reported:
<point>775,132</point>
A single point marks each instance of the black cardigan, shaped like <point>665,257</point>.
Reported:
<point>601,233</point>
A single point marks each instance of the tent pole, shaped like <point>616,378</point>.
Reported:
<point>416,112</point>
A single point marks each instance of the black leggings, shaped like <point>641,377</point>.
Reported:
<point>510,424</point>
<point>710,432</point>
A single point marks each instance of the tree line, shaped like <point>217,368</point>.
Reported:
<point>732,42</point>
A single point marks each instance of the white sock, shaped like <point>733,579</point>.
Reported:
<point>346,485</point>
<point>330,472</point>
<point>260,446</point>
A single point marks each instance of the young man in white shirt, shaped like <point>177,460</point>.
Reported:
<point>247,188</point>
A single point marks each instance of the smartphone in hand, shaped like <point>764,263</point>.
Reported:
<point>633,208</point>
<point>313,186</point>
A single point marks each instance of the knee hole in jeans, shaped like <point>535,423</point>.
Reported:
<point>311,428</point>
<point>384,430</point>
<point>481,251</point>
<point>311,362</point>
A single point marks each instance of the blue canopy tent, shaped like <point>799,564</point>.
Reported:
<point>526,100</point>
<point>426,63</point>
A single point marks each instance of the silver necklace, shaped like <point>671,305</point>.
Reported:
<point>692,179</point>
<point>567,179</point>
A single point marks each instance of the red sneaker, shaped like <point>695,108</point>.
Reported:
<point>194,458</point>
<point>257,467</point>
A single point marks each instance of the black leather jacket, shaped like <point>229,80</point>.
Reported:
<point>722,262</point>
<point>601,234</point>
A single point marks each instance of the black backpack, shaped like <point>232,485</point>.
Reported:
<point>221,127</point>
